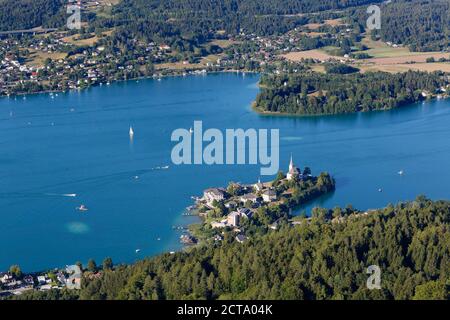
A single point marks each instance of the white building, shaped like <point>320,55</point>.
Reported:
<point>233,219</point>
<point>269,195</point>
<point>211,194</point>
<point>293,171</point>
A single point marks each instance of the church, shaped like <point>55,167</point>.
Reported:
<point>293,172</point>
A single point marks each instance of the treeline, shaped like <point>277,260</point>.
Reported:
<point>311,93</point>
<point>422,25</point>
<point>322,258</point>
<point>27,14</point>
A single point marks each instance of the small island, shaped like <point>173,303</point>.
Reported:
<point>246,209</point>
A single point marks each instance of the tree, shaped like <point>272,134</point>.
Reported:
<point>107,264</point>
<point>280,176</point>
<point>307,171</point>
<point>432,290</point>
<point>92,266</point>
<point>16,271</point>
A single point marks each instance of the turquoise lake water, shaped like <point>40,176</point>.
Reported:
<point>78,143</point>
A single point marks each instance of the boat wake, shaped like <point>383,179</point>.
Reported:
<point>73,195</point>
<point>161,168</point>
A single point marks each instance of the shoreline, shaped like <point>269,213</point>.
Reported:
<point>263,113</point>
<point>153,77</point>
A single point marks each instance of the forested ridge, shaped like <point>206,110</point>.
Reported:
<point>324,258</point>
<point>311,93</point>
<point>422,25</point>
<point>27,14</point>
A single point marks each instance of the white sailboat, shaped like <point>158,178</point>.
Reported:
<point>131,132</point>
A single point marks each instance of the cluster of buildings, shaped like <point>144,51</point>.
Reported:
<point>242,204</point>
<point>11,284</point>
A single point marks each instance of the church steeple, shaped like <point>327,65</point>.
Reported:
<point>291,164</point>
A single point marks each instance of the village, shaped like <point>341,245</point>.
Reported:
<point>266,204</point>
<point>52,60</point>
<point>15,282</point>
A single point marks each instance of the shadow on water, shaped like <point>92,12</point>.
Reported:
<point>309,205</point>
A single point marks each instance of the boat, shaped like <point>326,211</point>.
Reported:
<point>380,190</point>
<point>400,172</point>
<point>191,131</point>
<point>138,250</point>
<point>82,208</point>
<point>131,132</point>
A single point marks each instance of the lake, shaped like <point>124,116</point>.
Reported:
<point>78,143</point>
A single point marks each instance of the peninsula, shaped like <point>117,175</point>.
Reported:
<point>245,209</point>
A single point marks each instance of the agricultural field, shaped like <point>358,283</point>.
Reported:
<point>37,58</point>
<point>331,22</point>
<point>311,54</point>
<point>85,42</point>
<point>384,57</point>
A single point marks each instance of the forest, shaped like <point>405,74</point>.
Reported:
<point>422,25</point>
<point>311,93</point>
<point>27,14</point>
<point>325,257</point>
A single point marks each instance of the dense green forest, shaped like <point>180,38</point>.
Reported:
<point>422,25</point>
<point>308,93</point>
<point>26,14</point>
<point>325,257</point>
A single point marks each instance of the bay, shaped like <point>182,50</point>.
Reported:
<point>78,143</point>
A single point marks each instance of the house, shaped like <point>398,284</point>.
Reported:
<point>233,219</point>
<point>211,194</point>
<point>245,212</point>
<point>231,205</point>
<point>249,197</point>
<point>241,238</point>
<point>41,280</point>
<point>293,172</point>
<point>221,224</point>
<point>164,47</point>
<point>6,278</point>
<point>269,195</point>
<point>28,280</point>
<point>258,186</point>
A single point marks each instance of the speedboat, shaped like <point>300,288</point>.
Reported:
<point>82,208</point>
<point>131,132</point>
